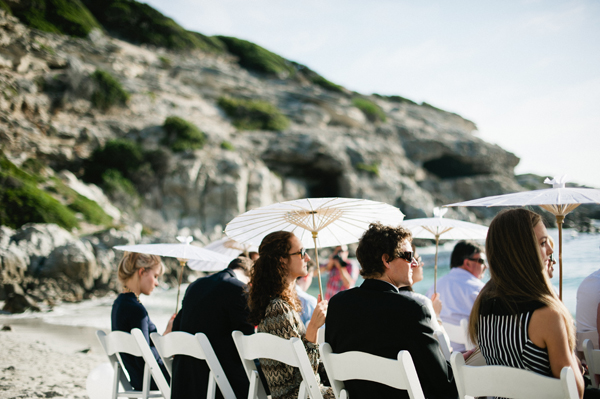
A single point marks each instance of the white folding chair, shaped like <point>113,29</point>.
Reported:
<point>198,346</point>
<point>582,336</point>
<point>321,335</point>
<point>121,342</point>
<point>399,374</point>
<point>510,382</point>
<point>269,346</point>
<point>459,334</point>
<point>443,340</point>
<point>592,358</point>
<point>151,363</point>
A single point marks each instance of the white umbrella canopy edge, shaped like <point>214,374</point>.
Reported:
<point>558,200</point>
<point>225,246</point>
<point>317,222</point>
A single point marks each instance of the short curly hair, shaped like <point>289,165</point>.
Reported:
<point>377,241</point>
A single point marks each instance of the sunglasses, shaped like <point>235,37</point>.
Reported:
<point>480,260</point>
<point>407,256</point>
<point>552,258</point>
<point>302,253</point>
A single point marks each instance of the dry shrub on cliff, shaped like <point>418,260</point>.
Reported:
<point>253,114</point>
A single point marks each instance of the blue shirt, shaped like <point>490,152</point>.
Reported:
<point>308,302</point>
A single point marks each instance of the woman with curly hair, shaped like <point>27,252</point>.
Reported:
<point>274,307</point>
<point>517,319</point>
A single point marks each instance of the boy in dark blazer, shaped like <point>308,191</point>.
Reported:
<point>376,319</point>
<point>214,305</point>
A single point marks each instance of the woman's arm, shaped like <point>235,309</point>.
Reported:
<point>547,329</point>
<point>347,280</point>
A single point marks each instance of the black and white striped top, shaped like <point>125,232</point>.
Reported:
<point>504,339</point>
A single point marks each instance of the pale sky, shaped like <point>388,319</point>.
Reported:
<point>526,72</point>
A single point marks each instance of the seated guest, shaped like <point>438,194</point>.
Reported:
<point>459,288</point>
<point>588,304</point>
<point>307,301</point>
<point>434,304</point>
<point>216,306</point>
<point>138,273</point>
<point>274,307</point>
<point>517,320</point>
<point>375,318</point>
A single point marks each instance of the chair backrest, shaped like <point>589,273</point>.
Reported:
<point>459,334</point>
<point>582,336</point>
<point>269,346</point>
<point>443,340</point>
<point>118,342</point>
<point>198,346</point>
<point>509,382</point>
<point>592,358</point>
<point>399,374</point>
<point>321,335</point>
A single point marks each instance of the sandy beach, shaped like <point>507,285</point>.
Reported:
<point>41,360</point>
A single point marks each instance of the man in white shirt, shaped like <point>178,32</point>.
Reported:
<point>588,304</point>
<point>459,288</point>
<point>308,301</point>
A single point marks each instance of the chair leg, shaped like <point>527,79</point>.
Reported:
<point>117,376</point>
<point>211,391</point>
<point>253,391</point>
<point>302,391</point>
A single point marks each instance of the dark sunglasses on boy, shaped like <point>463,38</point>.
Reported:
<point>407,256</point>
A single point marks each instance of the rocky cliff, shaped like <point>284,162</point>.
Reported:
<point>247,138</point>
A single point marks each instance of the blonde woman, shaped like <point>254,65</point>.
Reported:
<point>138,274</point>
<point>517,320</point>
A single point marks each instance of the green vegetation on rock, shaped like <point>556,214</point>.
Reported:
<point>182,135</point>
<point>141,24</point>
<point>226,145</point>
<point>108,91</point>
<point>256,58</point>
<point>68,17</point>
<point>372,111</point>
<point>253,114</point>
<point>90,210</point>
<point>5,7</point>
<point>21,201</point>
<point>396,99</point>
<point>372,168</point>
<point>123,168</point>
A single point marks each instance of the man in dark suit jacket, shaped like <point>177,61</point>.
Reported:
<point>215,305</point>
<point>376,319</point>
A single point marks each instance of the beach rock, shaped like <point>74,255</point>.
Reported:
<point>13,264</point>
<point>38,240</point>
<point>75,260</point>
<point>17,301</point>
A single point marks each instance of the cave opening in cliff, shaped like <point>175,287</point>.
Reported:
<point>448,166</point>
<point>320,183</point>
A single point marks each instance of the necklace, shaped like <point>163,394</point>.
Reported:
<point>127,290</point>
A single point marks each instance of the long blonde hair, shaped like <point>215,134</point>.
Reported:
<point>517,268</point>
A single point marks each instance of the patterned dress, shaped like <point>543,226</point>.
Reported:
<point>284,381</point>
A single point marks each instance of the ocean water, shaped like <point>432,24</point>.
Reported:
<point>581,257</point>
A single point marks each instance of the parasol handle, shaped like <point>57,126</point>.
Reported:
<point>559,220</point>
<point>314,235</point>
<point>437,241</point>
<point>182,263</point>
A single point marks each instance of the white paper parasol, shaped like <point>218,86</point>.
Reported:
<point>225,246</point>
<point>317,222</point>
<point>182,252</point>
<point>558,200</point>
<point>451,229</point>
